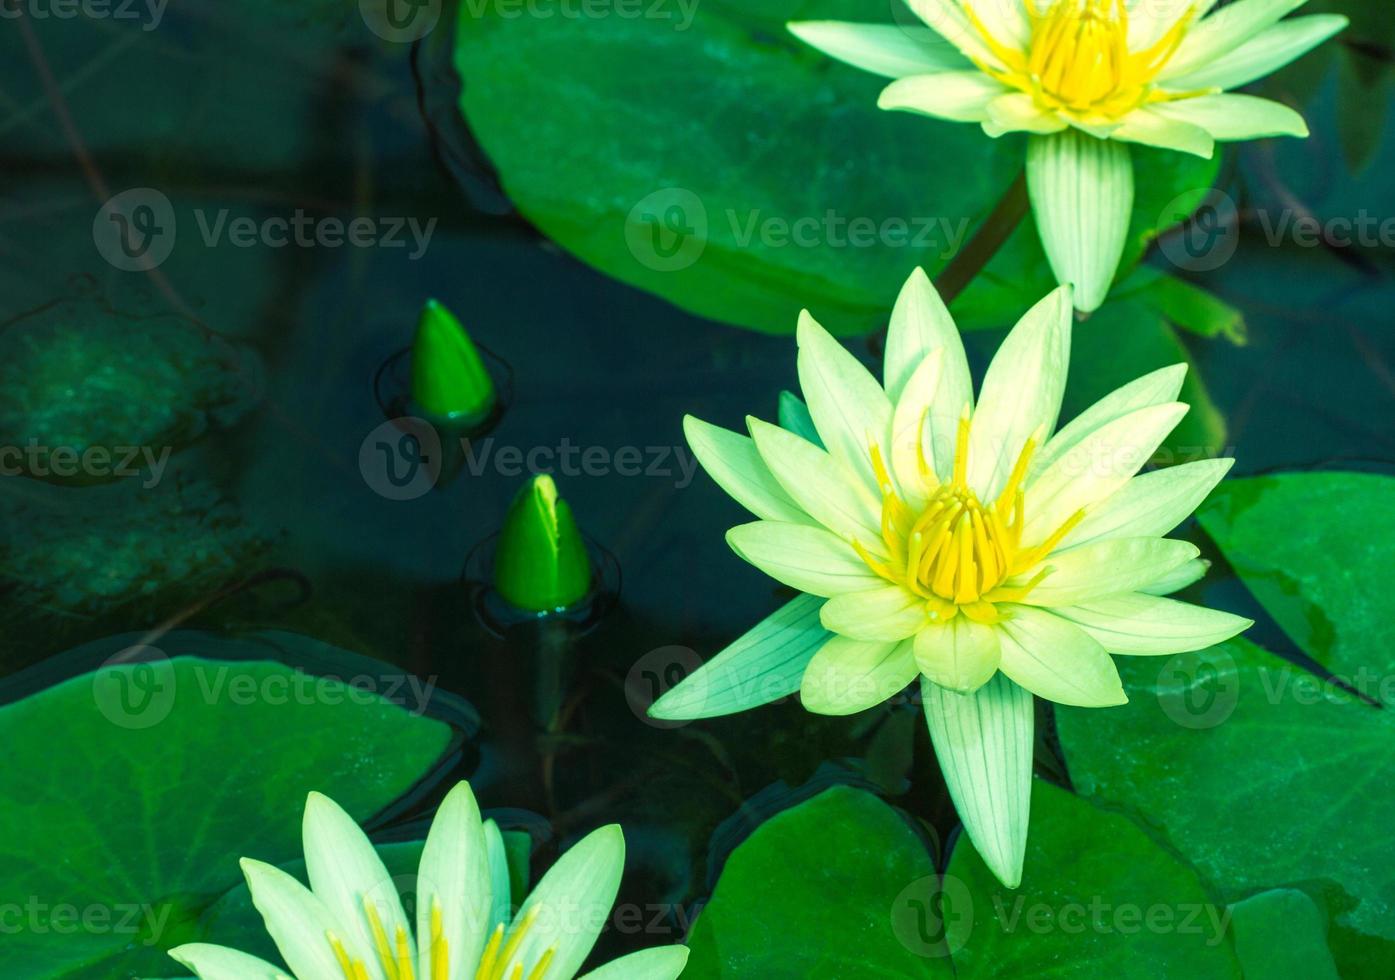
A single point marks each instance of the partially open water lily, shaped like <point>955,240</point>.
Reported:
<point>350,923</point>
<point>1086,77</point>
<point>971,544</point>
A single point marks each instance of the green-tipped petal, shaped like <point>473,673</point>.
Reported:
<point>455,875</point>
<point>1266,52</point>
<point>883,613</point>
<point>1151,128</point>
<point>850,409</point>
<point>1162,385</point>
<point>1057,660</point>
<point>1082,196</point>
<point>1104,568</point>
<point>1018,112</point>
<point>298,922</point>
<point>764,665</point>
<point>848,676</point>
<point>1151,505</point>
<point>1236,117</point>
<point>541,563</point>
<point>574,900</point>
<point>960,655</point>
<point>960,96</point>
<point>1021,394</point>
<point>449,379</point>
<point>501,897</point>
<point>794,416</point>
<point>913,429</point>
<point>732,461</point>
<point>1212,40</point>
<point>1178,578</point>
<point>806,558</point>
<point>346,873</point>
<point>1149,20</point>
<point>663,963</point>
<point>821,485</point>
<point>889,50</point>
<point>220,963</point>
<point>983,742</point>
<point>1136,623</point>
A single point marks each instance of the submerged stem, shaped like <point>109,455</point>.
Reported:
<point>996,229</point>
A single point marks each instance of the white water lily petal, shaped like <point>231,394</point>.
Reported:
<point>1102,463</point>
<point>1057,660</point>
<point>500,891</point>
<point>1178,579</point>
<point>454,875</point>
<point>947,19</point>
<point>1264,53</point>
<point>1152,128</point>
<point>662,963</point>
<point>1104,568</point>
<point>1154,388</point>
<point>888,612</point>
<point>1151,505</point>
<point>1021,394</point>
<point>1236,117</point>
<point>960,655</point>
<point>889,50</point>
<point>1213,39</point>
<point>850,409</point>
<point>1081,190</point>
<point>912,431</point>
<point>806,558</point>
<point>848,676</point>
<point>920,323</point>
<point>763,665</point>
<point>1150,20</point>
<point>960,96</point>
<point>821,485</point>
<point>574,901</point>
<point>211,962</point>
<point>1018,112</point>
<point>983,742</point>
<point>732,461</point>
<point>298,922</point>
<point>1136,623</point>
<point>346,873</point>
<point>794,417</point>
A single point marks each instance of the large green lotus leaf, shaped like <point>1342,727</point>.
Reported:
<point>1099,898</point>
<point>1281,935</point>
<point>824,889</point>
<point>721,164</point>
<point>1261,775</point>
<point>1311,546</point>
<point>130,792</point>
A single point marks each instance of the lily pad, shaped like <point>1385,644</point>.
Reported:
<point>1293,774</point>
<point>1099,898</point>
<point>1281,935</point>
<point>822,889</point>
<point>201,761</point>
<point>87,393</point>
<point>709,157</point>
<point>1310,546</point>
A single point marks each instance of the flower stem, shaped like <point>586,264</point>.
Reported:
<point>996,229</point>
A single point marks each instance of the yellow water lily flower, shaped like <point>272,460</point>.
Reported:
<point>1085,78</point>
<point>969,543</point>
<point>350,922</point>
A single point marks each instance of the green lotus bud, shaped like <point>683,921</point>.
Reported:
<point>541,563</point>
<point>449,379</point>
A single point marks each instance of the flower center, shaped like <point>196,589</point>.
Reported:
<point>956,553</point>
<point>1078,59</point>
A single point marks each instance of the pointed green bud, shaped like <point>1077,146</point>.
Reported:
<point>449,379</point>
<point>541,563</point>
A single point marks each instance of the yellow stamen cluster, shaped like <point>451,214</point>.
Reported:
<point>956,553</point>
<point>1078,60</point>
<point>498,960</point>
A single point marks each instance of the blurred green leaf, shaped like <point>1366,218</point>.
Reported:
<point>1281,935</point>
